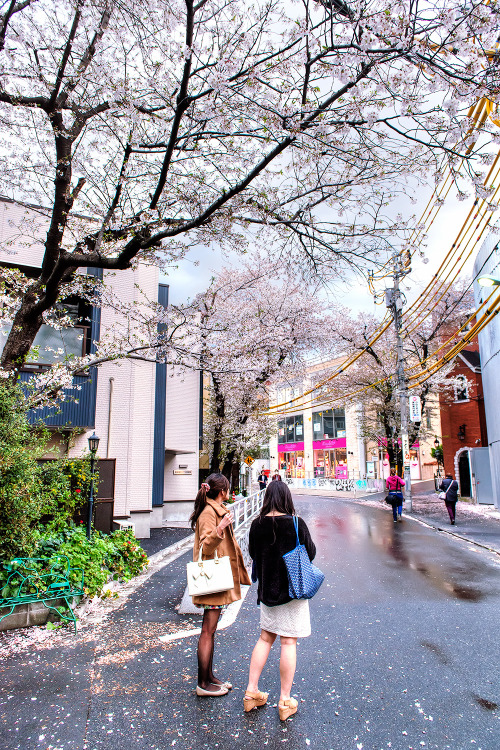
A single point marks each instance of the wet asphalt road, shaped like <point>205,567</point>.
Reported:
<point>405,654</point>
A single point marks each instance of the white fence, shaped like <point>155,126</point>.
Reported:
<point>245,509</point>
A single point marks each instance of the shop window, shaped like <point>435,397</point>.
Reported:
<point>281,431</point>
<point>291,429</point>
<point>329,424</point>
<point>299,428</point>
<point>339,415</point>
<point>317,426</point>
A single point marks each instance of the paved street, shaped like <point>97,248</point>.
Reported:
<point>404,654</point>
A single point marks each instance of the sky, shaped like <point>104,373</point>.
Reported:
<point>193,273</point>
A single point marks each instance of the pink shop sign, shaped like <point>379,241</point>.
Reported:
<point>288,447</point>
<point>329,444</point>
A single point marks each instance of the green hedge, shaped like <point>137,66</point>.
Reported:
<point>117,556</point>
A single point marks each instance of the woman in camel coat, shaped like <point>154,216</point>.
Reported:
<point>212,524</point>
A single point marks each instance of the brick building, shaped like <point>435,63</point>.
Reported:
<point>463,418</point>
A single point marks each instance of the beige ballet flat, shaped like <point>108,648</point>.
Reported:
<point>253,700</point>
<point>211,693</point>
<point>287,708</point>
<point>228,685</point>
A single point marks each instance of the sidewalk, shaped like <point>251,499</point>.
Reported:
<point>160,539</point>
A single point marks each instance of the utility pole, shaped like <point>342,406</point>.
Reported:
<point>394,302</point>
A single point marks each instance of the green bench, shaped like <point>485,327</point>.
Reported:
<point>51,581</point>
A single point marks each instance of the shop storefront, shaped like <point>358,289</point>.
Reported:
<point>330,458</point>
<point>291,460</point>
<point>291,447</point>
<point>329,444</point>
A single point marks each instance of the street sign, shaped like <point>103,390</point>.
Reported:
<point>249,460</point>
<point>406,451</point>
<point>415,409</point>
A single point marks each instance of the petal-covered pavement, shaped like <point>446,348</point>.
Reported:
<point>404,655</point>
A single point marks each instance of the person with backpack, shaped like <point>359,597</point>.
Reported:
<point>449,493</point>
<point>395,497</point>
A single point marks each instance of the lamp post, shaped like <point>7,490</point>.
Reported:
<point>438,454</point>
<point>93,446</point>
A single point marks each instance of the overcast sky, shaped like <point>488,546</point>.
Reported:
<point>194,272</point>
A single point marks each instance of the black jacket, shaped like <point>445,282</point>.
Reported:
<point>450,486</point>
<point>270,538</point>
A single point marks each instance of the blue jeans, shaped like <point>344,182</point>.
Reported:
<point>395,510</point>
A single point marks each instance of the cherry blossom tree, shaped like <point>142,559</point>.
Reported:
<point>145,128</point>
<point>372,379</point>
<point>251,324</point>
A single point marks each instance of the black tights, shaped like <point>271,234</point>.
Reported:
<point>206,677</point>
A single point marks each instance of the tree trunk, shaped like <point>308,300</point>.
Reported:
<point>228,465</point>
<point>26,324</point>
<point>220,410</point>
<point>235,476</point>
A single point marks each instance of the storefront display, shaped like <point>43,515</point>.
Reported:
<point>330,461</point>
<point>291,460</point>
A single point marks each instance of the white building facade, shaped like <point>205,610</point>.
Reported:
<point>147,421</point>
<point>488,262</point>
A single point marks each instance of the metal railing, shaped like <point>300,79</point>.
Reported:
<point>245,509</point>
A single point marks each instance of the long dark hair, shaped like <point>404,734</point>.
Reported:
<point>278,498</point>
<point>216,483</point>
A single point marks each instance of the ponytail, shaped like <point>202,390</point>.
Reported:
<point>211,488</point>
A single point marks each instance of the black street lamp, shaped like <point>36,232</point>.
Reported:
<point>93,446</point>
<point>438,455</point>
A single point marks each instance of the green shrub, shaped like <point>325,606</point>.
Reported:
<point>23,499</point>
<point>116,556</point>
<point>33,492</point>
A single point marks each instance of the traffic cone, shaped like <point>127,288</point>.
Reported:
<point>234,496</point>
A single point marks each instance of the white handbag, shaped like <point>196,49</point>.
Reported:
<point>442,495</point>
<point>209,576</point>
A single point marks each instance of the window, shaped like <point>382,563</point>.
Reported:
<point>461,388</point>
<point>281,431</point>
<point>55,345</point>
<point>329,424</point>
<point>428,420</point>
<point>291,429</point>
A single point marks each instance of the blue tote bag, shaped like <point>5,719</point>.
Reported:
<point>304,578</point>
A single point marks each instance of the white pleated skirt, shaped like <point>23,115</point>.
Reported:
<point>291,619</point>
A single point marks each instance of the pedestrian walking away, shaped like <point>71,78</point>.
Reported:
<point>213,532</point>
<point>394,484</point>
<point>262,479</point>
<point>271,536</point>
<point>449,493</point>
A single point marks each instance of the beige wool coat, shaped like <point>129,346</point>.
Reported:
<point>205,534</point>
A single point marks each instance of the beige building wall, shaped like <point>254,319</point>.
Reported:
<point>125,401</point>
<point>181,442</point>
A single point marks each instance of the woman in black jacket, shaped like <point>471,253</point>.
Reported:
<point>272,534</point>
<point>450,488</point>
